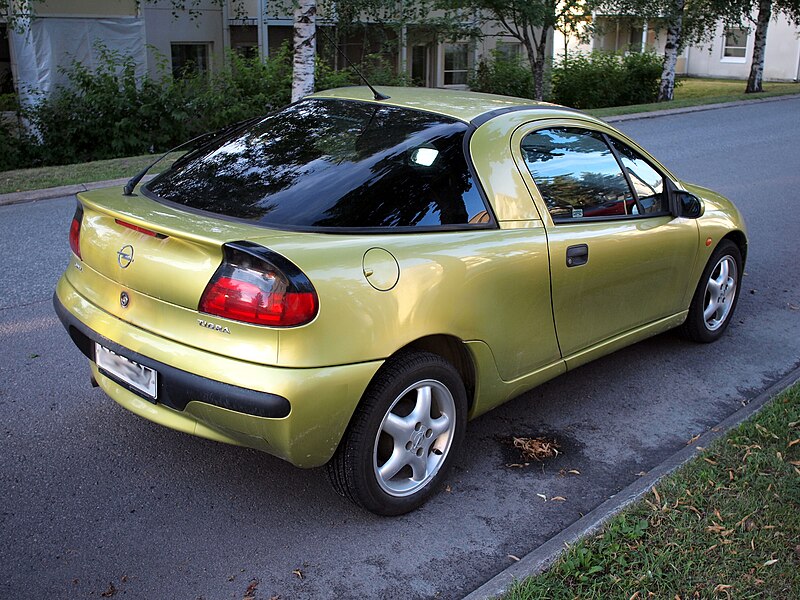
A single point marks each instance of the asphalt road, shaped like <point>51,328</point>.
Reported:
<point>96,500</point>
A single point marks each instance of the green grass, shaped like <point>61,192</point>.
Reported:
<point>726,525</point>
<point>21,180</point>
<point>691,92</point>
<point>696,92</point>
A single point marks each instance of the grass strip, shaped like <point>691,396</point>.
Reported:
<point>698,92</point>
<point>22,180</point>
<point>725,525</point>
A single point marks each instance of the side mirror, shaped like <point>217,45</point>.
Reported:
<point>689,205</point>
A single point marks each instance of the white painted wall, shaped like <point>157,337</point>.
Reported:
<point>163,29</point>
<point>780,64</point>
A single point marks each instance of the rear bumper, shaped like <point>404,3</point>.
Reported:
<point>176,388</point>
<point>297,414</point>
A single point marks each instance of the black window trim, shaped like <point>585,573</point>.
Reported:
<point>625,174</point>
<point>470,129</point>
<point>668,186</point>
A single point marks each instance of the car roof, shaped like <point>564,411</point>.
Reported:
<point>471,107</point>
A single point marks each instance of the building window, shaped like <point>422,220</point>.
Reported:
<point>509,50</point>
<point>456,61</point>
<point>189,60</point>
<point>735,43</point>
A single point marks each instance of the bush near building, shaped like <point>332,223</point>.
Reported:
<point>504,75</point>
<point>602,79</point>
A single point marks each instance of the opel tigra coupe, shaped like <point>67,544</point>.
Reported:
<point>347,281</point>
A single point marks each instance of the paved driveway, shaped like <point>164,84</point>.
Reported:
<point>94,497</point>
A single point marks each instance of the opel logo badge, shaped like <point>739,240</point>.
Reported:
<point>125,256</point>
<point>124,299</point>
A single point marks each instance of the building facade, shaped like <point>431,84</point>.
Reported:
<point>160,39</point>
<point>728,54</point>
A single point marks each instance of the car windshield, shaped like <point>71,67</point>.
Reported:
<point>333,164</point>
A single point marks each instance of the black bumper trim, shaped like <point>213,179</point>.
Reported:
<point>176,388</point>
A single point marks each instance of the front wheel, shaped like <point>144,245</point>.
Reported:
<point>717,292</point>
<point>402,439</point>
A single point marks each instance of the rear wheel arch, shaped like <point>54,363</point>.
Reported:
<point>453,350</point>
<point>450,348</point>
<point>404,434</point>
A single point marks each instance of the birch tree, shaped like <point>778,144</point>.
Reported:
<point>305,48</point>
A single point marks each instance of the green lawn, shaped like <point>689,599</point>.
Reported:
<point>726,525</point>
<point>696,91</point>
<point>691,92</point>
<point>21,180</point>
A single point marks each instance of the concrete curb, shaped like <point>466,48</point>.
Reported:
<point>691,109</point>
<point>539,559</point>
<point>61,191</point>
<point>68,190</point>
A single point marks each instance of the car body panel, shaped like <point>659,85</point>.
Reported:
<point>636,271</point>
<point>635,275</point>
<point>464,106</point>
<point>507,308</point>
<point>503,184</point>
<point>504,291</point>
<point>322,400</point>
<point>720,219</point>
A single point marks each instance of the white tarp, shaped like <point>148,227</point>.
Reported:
<point>50,43</point>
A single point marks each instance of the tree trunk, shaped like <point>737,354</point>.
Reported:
<point>531,51</point>
<point>671,49</point>
<point>538,67</point>
<point>305,48</point>
<point>537,59</point>
<point>756,77</point>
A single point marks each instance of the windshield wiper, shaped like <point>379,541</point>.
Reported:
<point>200,140</point>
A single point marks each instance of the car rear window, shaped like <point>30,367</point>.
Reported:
<point>333,164</point>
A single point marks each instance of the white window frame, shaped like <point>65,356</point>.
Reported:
<point>725,47</point>
<point>446,71</point>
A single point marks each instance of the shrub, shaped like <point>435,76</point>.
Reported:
<point>503,75</point>
<point>19,149</point>
<point>603,79</point>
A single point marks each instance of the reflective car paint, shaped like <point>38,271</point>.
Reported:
<point>489,291</point>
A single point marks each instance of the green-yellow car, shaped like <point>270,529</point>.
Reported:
<point>350,279</point>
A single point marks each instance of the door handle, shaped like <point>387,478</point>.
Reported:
<point>577,255</point>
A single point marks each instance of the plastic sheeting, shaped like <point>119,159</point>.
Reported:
<point>50,43</point>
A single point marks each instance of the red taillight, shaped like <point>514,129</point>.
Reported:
<point>75,231</point>
<point>255,285</point>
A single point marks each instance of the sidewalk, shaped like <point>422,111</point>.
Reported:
<point>62,190</point>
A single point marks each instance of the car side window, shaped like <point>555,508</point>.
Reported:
<point>577,174</point>
<point>648,183</point>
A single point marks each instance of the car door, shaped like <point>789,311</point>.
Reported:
<point>619,259</point>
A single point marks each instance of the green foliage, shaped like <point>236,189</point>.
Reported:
<point>18,147</point>
<point>8,102</point>
<point>603,79</point>
<point>530,22</point>
<point>503,75</point>
<point>109,112</point>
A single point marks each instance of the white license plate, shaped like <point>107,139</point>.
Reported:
<point>135,375</point>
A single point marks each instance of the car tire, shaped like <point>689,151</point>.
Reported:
<point>717,293</point>
<point>403,436</point>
